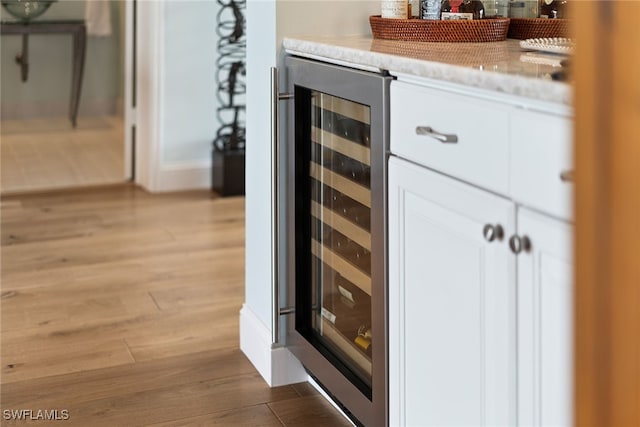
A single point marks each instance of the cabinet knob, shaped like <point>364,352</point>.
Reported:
<point>492,232</point>
<point>519,244</point>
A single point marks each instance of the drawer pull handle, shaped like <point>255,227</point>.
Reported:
<point>566,176</point>
<point>442,137</point>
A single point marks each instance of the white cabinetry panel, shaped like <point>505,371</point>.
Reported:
<point>545,326</point>
<point>451,303</point>
<point>480,332</point>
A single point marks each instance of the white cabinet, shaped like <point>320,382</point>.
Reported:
<point>541,162</point>
<point>480,331</point>
<point>545,332</point>
<point>451,302</point>
<point>420,119</point>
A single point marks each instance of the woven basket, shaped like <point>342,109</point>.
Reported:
<point>473,55</point>
<point>536,28</point>
<point>424,30</point>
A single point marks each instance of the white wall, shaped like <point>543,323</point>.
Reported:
<point>189,85</point>
<point>176,118</point>
<point>261,55</point>
<point>324,17</point>
<point>267,22</point>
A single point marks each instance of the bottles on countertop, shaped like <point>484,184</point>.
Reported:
<point>462,9</point>
<point>496,8</point>
<point>430,9</point>
<point>553,9</point>
<point>414,8</point>
<point>473,9</point>
<point>537,8</point>
<point>523,9</point>
<point>394,9</point>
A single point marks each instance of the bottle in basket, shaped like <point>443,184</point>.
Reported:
<point>474,7</point>
<point>496,8</point>
<point>394,9</point>
<point>553,9</point>
<point>430,9</point>
<point>523,9</point>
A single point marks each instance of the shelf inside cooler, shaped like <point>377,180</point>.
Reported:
<point>341,266</point>
<point>344,146</point>
<point>356,355</point>
<point>356,191</point>
<point>359,235</point>
<point>345,108</point>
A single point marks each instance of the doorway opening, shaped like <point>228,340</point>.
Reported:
<point>41,147</point>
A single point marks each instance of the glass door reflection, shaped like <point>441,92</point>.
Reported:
<point>340,206</point>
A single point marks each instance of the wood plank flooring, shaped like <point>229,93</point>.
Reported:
<point>38,154</point>
<point>121,307</point>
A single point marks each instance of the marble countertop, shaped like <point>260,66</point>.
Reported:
<point>499,66</point>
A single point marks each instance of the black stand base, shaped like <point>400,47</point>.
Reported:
<point>228,172</point>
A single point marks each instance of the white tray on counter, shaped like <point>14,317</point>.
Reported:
<point>552,44</point>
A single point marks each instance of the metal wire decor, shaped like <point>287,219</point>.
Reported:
<point>231,76</point>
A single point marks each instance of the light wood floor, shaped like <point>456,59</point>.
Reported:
<point>122,308</point>
<point>43,154</point>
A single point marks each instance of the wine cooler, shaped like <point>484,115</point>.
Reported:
<point>337,140</point>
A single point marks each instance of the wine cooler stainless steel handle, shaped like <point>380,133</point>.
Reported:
<point>275,291</point>
<point>447,138</point>
<point>276,96</point>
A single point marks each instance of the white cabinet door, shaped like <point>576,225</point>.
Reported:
<point>451,303</point>
<point>545,327</point>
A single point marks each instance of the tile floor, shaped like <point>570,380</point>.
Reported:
<point>43,154</point>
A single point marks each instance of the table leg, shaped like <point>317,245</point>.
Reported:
<point>23,58</point>
<point>79,50</point>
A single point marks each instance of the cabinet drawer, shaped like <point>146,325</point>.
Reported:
<point>480,155</point>
<point>541,162</point>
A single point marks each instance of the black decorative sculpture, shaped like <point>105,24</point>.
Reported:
<point>229,144</point>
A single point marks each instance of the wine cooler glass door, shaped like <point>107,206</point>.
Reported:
<point>337,141</point>
<point>340,229</point>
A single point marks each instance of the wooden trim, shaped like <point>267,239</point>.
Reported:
<point>349,348</point>
<point>149,93</point>
<point>344,226</point>
<point>356,191</point>
<point>342,266</point>
<point>341,145</point>
<point>129,85</point>
<point>607,158</point>
<point>344,107</point>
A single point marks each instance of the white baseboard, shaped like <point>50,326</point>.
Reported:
<point>182,176</point>
<point>276,365</point>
